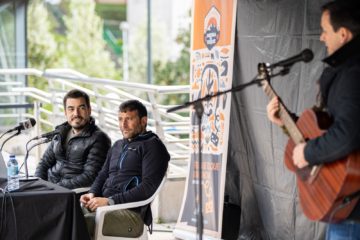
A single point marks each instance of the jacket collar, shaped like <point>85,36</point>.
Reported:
<point>346,52</point>
<point>142,136</point>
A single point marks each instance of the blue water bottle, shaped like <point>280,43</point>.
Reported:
<point>12,174</point>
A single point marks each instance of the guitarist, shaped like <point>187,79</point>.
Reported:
<point>340,97</point>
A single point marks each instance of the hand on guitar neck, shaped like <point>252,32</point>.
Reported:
<point>272,110</point>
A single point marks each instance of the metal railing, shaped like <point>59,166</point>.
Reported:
<point>106,95</point>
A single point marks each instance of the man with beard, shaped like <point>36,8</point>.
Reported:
<point>75,155</point>
<point>134,169</point>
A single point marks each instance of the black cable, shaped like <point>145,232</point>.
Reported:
<point>27,153</point>
<point>15,134</point>
<point>5,133</point>
<point>3,213</point>
<point>32,146</point>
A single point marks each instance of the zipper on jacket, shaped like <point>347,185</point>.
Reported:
<point>123,155</point>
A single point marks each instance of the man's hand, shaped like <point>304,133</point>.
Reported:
<point>299,157</point>
<point>85,198</point>
<point>96,202</point>
<point>272,110</point>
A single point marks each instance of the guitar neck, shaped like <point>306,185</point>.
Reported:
<point>284,115</point>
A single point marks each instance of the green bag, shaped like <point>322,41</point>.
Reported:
<point>123,223</point>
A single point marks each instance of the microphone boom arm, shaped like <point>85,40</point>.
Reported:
<point>27,178</point>
<point>255,80</point>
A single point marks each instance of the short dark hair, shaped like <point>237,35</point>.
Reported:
<point>131,105</point>
<point>344,13</point>
<point>75,93</point>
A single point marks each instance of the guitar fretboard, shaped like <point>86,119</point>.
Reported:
<point>284,115</point>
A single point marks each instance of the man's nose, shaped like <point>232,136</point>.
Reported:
<point>123,124</point>
<point>77,111</point>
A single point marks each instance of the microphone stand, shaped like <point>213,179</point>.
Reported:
<point>199,110</point>
<point>27,178</point>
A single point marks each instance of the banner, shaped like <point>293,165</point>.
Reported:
<point>212,51</point>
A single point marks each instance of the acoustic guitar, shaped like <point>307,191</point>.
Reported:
<point>327,192</point>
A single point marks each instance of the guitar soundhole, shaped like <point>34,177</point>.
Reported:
<point>309,174</point>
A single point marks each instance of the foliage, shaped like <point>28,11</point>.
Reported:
<point>111,11</point>
<point>175,72</point>
<point>42,46</point>
<point>84,48</point>
<point>74,40</point>
<point>79,46</point>
<point>138,50</point>
<point>166,72</point>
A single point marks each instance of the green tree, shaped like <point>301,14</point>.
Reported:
<point>166,72</point>
<point>42,45</point>
<point>79,46</point>
<point>175,72</point>
<point>83,48</point>
<point>138,50</point>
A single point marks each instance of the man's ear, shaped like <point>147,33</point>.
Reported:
<point>144,121</point>
<point>346,35</point>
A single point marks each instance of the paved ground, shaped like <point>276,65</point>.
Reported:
<point>162,232</point>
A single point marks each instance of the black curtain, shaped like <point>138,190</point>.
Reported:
<point>257,179</point>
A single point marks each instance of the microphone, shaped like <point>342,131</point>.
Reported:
<point>306,56</point>
<point>48,135</point>
<point>29,123</point>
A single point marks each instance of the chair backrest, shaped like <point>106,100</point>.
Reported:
<point>101,211</point>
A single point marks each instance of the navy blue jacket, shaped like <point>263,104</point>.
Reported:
<point>133,170</point>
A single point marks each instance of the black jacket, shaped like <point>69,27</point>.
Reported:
<point>79,165</point>
<point>133,171</point>
<point>340,91</point>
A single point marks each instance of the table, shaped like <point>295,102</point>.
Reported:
<point>42,211</point>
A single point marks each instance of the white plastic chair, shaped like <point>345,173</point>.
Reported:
<point>101,211</point>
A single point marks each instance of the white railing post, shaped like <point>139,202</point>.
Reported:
<point>37,106</point>
<point>157,119</point>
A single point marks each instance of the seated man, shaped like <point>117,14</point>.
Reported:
<point>76,155</point>
<point>134,168</point>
